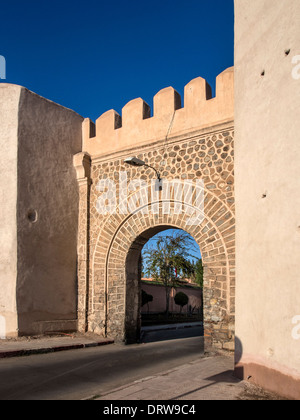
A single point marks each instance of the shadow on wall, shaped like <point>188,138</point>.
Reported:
<point>158,303</point>
<point>238,370</point>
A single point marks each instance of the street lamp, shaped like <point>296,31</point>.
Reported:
<point>134,161</point>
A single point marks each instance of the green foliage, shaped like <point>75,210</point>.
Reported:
<point>169,260</point>
<point>198,272</point>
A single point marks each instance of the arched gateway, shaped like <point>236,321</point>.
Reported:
<point>121,207</point>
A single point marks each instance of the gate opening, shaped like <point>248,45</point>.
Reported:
<point>164,297</point>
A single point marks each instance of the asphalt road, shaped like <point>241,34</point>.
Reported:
<point>80,374</point>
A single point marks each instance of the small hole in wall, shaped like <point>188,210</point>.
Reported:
<point>286,52</point>
<point>264,195</point>
<point>263,73</point>
<point>32,216</point>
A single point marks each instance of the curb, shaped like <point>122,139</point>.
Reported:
<point>171,327</point>
<point>45,350</point>
<point>167,327</point>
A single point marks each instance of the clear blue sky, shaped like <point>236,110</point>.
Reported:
<point>92,56</point>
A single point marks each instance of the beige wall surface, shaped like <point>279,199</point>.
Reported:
<point>39,209</point>
<point>49,136</point>
<point>267,172</point>
<point>9,105</point>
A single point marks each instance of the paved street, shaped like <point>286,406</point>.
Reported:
<point>209,378</point>
<point>79,374</point>
<point>168,365</point>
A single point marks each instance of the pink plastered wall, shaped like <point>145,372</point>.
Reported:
<point>159,298</point>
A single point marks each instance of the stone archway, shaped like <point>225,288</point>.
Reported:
<point>116,257</point>
<point>190,144</point>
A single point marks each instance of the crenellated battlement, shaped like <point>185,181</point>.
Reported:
<point>113,133</point>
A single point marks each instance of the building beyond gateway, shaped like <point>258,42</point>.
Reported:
<point>67,265</point>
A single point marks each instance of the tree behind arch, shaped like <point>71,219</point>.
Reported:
<point>168,260</point>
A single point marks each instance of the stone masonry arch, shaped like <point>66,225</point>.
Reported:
<point>215,300</point>
<point>196,149</point>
